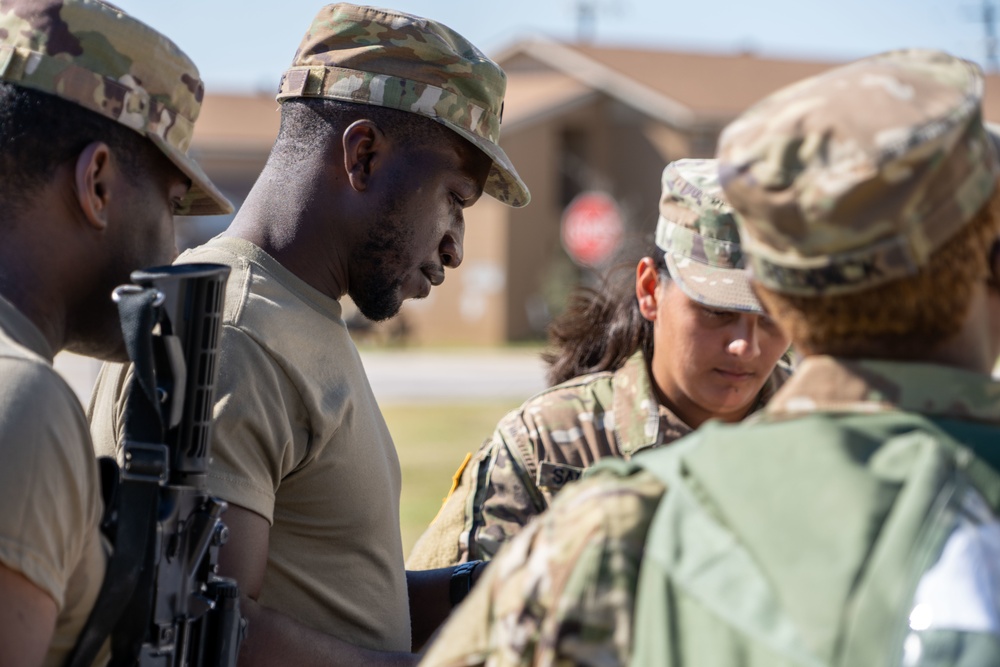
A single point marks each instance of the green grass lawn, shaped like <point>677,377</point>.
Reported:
<point>432,439</point>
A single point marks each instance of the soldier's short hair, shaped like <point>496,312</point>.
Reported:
<point>102,61</point>
<point>39,132</point>
<point>308,122</point>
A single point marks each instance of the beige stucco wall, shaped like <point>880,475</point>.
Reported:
<point>533,233</point>
<point>622,158</point>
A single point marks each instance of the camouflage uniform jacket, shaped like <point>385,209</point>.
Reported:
<point>536,449</point>
<point>564,590</point>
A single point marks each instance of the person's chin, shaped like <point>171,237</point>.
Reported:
<point>728,395</point>
<point>729,410</point>
<point>423,291</point>
<point>419,287</point>
<point>380,310</point>
<point>380,301</point>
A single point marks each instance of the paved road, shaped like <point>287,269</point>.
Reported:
<point>405,375</point>
<point>414,376</point>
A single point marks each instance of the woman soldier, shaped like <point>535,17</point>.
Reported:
<point>687,342</point>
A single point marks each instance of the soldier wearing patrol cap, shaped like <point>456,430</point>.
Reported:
<point>853,521</point>
<point>390,126</point>
<point>96,115</point>
<point>689,343</point>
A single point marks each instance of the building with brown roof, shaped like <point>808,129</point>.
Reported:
<point>576,118</point>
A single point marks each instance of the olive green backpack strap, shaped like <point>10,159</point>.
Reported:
<point>942,533</point>
<point>691,555</point>
<point>702,595</point>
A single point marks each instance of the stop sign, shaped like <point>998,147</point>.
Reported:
<point>591,228</point>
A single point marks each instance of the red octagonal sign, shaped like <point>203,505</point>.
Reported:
<point>591,228</point>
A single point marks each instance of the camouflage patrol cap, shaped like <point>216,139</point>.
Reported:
<point>853,178</point>
<point>387,58</point>
<point>94,55</point>
<point>698,234</point>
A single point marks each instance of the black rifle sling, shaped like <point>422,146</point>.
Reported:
<point>128,580</point>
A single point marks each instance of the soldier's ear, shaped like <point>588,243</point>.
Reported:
<point>363,144</point>
<point>93,179</point>
<point>647,279</point>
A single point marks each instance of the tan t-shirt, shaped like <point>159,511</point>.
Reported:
<point>50,493</point>
<point>299,439</point>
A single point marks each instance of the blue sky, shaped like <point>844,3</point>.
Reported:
<point>245,44</point>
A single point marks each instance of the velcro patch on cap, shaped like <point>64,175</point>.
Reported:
<point>687,243</point>
<point>554,476</point>
<point>294,82</point>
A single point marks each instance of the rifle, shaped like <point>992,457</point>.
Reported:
<point>162,602</point>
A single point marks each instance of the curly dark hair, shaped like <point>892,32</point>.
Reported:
<point>39,132</point>
<point>308,123</point>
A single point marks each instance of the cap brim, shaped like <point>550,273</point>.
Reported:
<point>203,198</point>
<point>713,286</point>
<point>503,182</point>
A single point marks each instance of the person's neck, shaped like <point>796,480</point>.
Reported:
<point>286,220</point>
<point>971,357</point>
<point>694,415</point>
<point>36,292</point>
<point>690,412</point>
<point>972,348</point>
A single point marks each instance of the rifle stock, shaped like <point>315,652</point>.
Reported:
<point>195,616</point>
<point>163,602</point>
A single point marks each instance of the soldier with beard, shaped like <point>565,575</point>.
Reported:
<point>389,131</point>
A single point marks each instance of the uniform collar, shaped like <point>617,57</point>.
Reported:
<point>640,420</point>
<point>829,384</point>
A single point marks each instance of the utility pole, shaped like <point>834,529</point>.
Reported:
<point>586,20</point>
<point>988,19</point>
<point>586,16</point>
